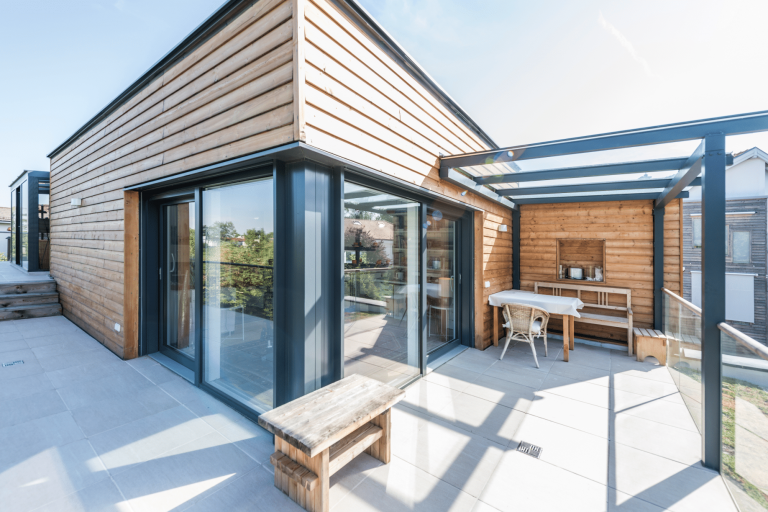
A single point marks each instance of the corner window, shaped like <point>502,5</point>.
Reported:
<point>741,247</point>
<point>696,221</point>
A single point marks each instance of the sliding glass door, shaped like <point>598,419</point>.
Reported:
<point>238,263</point>
<point>441,279</point>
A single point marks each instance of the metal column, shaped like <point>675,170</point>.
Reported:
<point>658,265</point>
<point>516,249</point>
<point>713,294</point>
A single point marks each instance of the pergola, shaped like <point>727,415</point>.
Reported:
<point>495,175</point>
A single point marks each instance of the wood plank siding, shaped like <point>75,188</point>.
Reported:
<point>231,96</point>
<point>757,225</point>
<point>363,105</point>
<point>627,227</point>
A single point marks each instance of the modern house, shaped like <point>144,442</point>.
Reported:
<point>287,199</point>
<point>746,189</point>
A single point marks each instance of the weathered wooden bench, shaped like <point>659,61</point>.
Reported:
<point>319,433</point>
<point>650,342</point>
<point>601,294</point>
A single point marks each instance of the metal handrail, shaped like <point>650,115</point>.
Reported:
<point>682,301</point>
<point>745,341</point>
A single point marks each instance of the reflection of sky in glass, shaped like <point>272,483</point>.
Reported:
<point>242,205</point>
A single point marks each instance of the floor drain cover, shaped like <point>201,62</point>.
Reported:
<point>529,449</point>
<point>13,363</point>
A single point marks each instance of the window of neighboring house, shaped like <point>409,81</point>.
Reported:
<point>741,247</point>
<point>696,232</point>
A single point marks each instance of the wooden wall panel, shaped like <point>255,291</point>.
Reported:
<point>231,96</point>
<point>627,227</point>
<point>363,105</point>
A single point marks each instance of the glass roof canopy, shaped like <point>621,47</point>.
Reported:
<point>611,166</point>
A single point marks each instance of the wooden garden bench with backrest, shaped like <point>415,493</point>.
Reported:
<point>600,295</point>
<point>318,434</point>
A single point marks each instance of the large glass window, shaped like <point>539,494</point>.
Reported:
<point>381,285</point>
<point>43,228</point>
<point>238,260</point>
<point>24,207</point>
<point>696,224</point>
<point>441,279</point>
<point>742,247</point>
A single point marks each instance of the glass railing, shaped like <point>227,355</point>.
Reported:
<point>682,325</point>
<point>745,418</point>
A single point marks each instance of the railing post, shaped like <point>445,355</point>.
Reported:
<point>713,295</point>
<point>516,249</point>
<point>658,264</point>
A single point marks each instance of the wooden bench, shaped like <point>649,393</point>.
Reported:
<point>601,294</point>
<point>319,433</point>
<point>650,342</point>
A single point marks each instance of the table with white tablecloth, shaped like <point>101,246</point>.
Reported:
<point>554,305</point>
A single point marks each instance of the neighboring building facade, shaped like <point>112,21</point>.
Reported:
<point>218,198</point>
<point>746,234</point>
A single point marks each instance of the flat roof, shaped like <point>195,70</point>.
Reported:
<point>230,10</point>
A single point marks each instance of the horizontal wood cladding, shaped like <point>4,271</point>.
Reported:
<point>627,227</point>
<point>231,96</point>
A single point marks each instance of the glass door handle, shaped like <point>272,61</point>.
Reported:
<point>173,262</point>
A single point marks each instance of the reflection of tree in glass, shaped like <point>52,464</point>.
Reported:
<point>371,254</point>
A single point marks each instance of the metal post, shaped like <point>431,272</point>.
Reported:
<point>713,294</point>
<point>658,265</point>
<point>516,249</point>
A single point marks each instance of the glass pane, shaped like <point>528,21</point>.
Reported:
<point>180,282</point>
<point>696,232</point>
<point>43,228</point>
<point>741,247</point>
<point>745,423</point>
<point>238,254</point>
<point>24,226</point>
<point>12,255</point>
<point>381,285</point>
<point>441,279</point>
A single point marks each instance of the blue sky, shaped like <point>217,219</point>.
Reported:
<point>525,71</point>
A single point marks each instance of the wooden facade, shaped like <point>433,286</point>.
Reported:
<point>303,70</point>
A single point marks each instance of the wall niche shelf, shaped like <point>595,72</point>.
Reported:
<point>583,253</point>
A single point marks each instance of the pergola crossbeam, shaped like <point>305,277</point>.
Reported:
<point>590,187</point>
<point>592,199</point>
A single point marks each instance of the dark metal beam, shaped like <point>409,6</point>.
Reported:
<point>588,187</point>
<point>658,266</point>
<point>516,249</point>
<point>667,164</point>
<point>684,177</point>
<point>591,199</point>
<point>677,132</point>
<point>712,296</point>
<point>462,181</point>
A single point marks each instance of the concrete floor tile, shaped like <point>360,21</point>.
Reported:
<point>469,361</point>
<point>400,486</point>
<point>524,358</point>
<point>452,377</point>
<point>350,476</point>
<point>182,390</point>
<point>7,327</point>
<point>67,347</point>
<point>577,390</point>
<point>671,442</point>
<point>481,506</point>
<point>567,448</point>
<point>148,438</point>
<point>490,420</point>
<point>184,475</point>
<point>24,386</point>
<point>98,355</point>
<point>521,482</point>
<point>666,483</point>
<point>9,345</point>
<point>643,370</point>
<point>502,392</point>
<point>214,412</point>
<point>426,397</point>
<point>584,355</point>
<point>503,370</point>
<point>654,409</point>
<point>117,387</point>
<point>622,502</point>
<point>88,372</point>
<point>102,497</point>
<point>49,475</point>
<point>30,407</point>
<point>581,373</point>
<point>579,415</point>
<point>642,386</point>
<point>249,437</point>
<point>24,440</point>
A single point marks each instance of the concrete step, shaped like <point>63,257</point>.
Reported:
<point>28,299</point>
<point>28,287</point>
<point>30,311</point>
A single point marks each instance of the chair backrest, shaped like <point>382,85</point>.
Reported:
<point>601,291</point>
<point>518,316</point>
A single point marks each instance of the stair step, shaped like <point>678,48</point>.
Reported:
<point>28,287</point>
<point>25,299</point>
<point>31,311</point>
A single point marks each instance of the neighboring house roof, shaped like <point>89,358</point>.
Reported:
<point>749,154</point>
<point>378,229</point>
<point>222,17</point>
<point>5,214</point>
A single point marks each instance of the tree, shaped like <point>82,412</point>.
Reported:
<point>220,231</point>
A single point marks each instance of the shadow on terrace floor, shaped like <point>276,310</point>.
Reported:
<point>83,430</point>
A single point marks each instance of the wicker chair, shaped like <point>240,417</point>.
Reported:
<point>524,323</point>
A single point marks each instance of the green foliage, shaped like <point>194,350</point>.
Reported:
<point>3,257</point>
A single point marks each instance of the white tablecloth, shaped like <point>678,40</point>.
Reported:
<point>549,303</point>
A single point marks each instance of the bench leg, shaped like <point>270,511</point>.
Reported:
<point>316,500</point>
<point>382,448</point>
